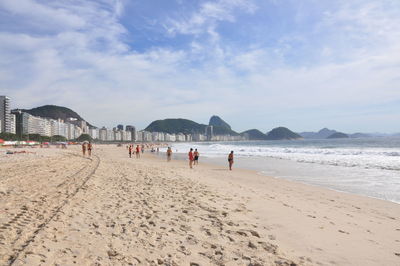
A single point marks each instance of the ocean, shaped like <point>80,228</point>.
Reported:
<point>363,166</point>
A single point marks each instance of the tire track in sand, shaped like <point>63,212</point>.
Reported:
<point>29,221</point>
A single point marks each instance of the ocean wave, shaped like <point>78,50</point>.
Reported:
<point>377,158</point>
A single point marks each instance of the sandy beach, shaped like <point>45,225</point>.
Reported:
<point>59,208</point>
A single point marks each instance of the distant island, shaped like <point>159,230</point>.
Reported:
<point>338,135</point>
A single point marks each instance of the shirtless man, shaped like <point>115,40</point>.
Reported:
<point>169,154</point>
<point>230,160</point>
<point>130,151</point>
<point>196,156</point>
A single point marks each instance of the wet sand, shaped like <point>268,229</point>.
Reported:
<point>58,208</point>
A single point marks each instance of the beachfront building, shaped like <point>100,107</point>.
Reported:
<point>147,136</point>
<point>13,124</point>
<point>117,134</point>
<point>180,137</point>
<point>209,132</point>
<point>132,131</point>
<point>126,135</point>
<point>110,135</point>
<point>199,137</point>
<point>170,137</point>
<point>94,133</point>
<point>188,137</point>
<point>59,128</point>
<point>103,134</point>
<point>157,136</point>
<point>5,114</point>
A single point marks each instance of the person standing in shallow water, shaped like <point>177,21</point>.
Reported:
<point>169,154</point>
<point>196,157</point>
<point>191,158</point>
<point>230,160</point>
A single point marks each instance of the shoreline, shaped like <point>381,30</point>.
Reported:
<point>149,211</point>
<point>250,163</point>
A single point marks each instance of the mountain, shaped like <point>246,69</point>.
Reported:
<point>216,121</point>
<point>179,125</point>
<point>359,135</point>
<point>281,133</point>
<point>254,134</point>
<point>176,125</point>
<point>54,112</point>
<point>338,135</point>
<point>220,127</point>
<point>322,134</point>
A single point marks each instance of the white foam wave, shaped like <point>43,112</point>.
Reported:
<point>376,158</point>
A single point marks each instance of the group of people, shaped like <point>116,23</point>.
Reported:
<point>193,157</point>
<point>87,146</point>
<point>137,150</point>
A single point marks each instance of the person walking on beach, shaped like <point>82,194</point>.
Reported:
<point>84,149</point>
<point>130,151</point>
<point>196,157</point>
<point>89,148</point>
<point>142,148</point>
<point>169,154</point>
<point>191,158</point>
<point>230,160</point>
<point>137,151</point>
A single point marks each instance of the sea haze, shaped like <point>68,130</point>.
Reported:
<point>368,166</point>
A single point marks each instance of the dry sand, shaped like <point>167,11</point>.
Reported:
<point>58,208</point>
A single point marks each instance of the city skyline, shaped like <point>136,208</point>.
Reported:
<point>304,65</point>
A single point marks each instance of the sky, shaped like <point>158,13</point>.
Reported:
<point>302,64</point>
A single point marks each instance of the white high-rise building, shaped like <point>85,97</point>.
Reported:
<point>103,134</point>
<point>94,133</point>
<point>13,126</point>
<point>35,125</point>
<point>5,114</point>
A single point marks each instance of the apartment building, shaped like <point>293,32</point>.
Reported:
<point>5,114</point>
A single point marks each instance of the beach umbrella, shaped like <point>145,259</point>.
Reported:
<point>1,140</point>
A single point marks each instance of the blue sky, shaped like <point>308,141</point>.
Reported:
<point>256,63</point>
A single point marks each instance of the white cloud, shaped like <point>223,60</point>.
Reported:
<point>208,15</point>
<point>87,65</point>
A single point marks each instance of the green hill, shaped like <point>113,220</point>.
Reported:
<point>217,121</point>
<point>338,135</point>
<point>282,133</point>
<point>218,130</point>
<point>254,134</point>
<point>220,127</point>
<point>179,125</point>
<point>176,125</point>
<point>54,112</point>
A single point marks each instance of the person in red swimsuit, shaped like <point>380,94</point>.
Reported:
<point>191,158</point>
<point>137,151</point>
